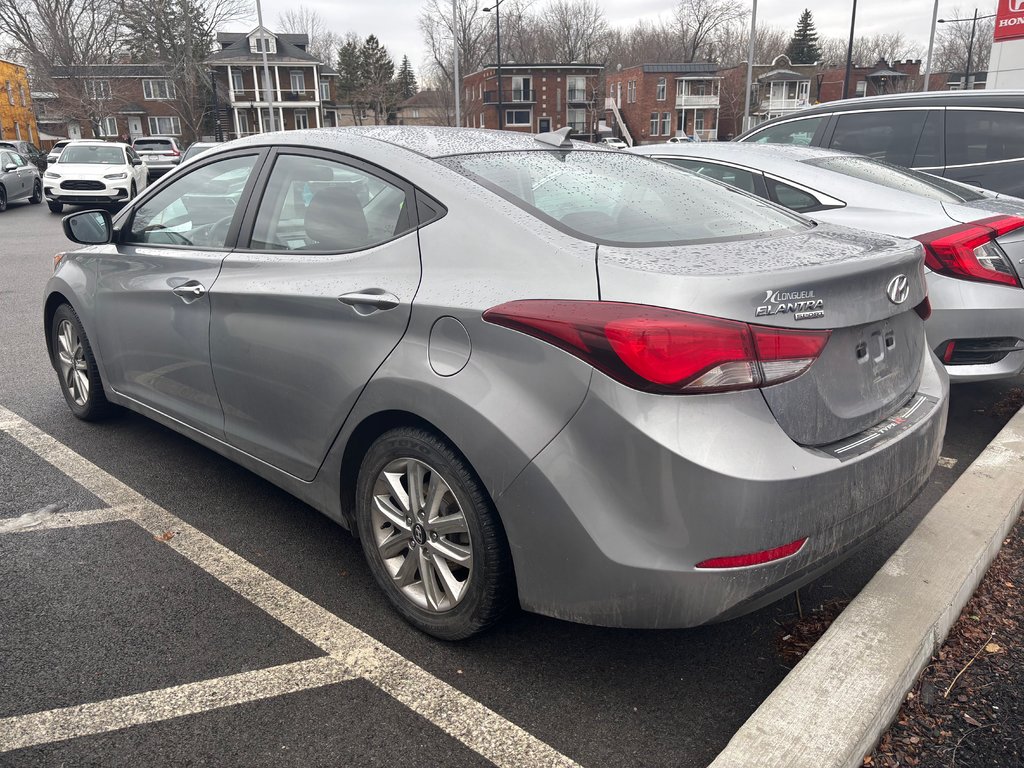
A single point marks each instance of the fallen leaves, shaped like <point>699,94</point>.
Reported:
<point>165,536</point>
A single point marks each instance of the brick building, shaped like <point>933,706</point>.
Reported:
<point>17,120</point>
<point>301,91</point>
<point>878,79</point>
<point>423,108</point>
<point>778,89</point>
<point>113,101</point>
<point>652,102</point>
<point>535,98</point>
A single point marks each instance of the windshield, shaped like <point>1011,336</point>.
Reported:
<point>92,155</point>
<point>900,179</point>
<point>622,199</point>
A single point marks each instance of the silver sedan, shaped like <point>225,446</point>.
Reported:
<point>519,368</point>
<point>19,179</point>
<point>973,238</point>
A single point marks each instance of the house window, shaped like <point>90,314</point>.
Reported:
<point>698,122</point>
<point>662,87</point>
<point>631,91</point>
<point>325,91</point>
<point>518,117</point>
<point>482,120</point>
<point>158,89</point>
<point>108,127</point>
<point>243,123</point>
<point>10,93</point>
<point>260,43</point>
<point>95,89</point>
<point>414,114</point>
<point>611,90</point>
<point>521,89</point>
<point>164,126</point>
<point>237,83</point>
<point>577,120</point>
<point>298,82</point>
<point>862,87</point>
<point>21,92</point>
<point>576,88</point>
<point>666,123</point>
<point>700,89</point>
<point>301,119</point>
<point>654,123</point>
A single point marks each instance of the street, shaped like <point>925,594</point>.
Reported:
<point>191,571</point>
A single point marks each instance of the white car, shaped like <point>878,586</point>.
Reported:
<point>55,150</point>
<point>613,143</point>
<point>94,172</point>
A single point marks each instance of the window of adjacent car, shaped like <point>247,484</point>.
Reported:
<point>883,134</point>
<point>195,209</point>
<point>899,179</point>
<point>798,132</point>
<point>734,177</point>
<point>791,197</point>
<point>315,204</point>
<point>983,136</point>
<point>15,158</point>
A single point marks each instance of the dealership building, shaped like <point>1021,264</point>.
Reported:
<point>1006,66</point>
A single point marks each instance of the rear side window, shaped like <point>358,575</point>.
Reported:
<point>883,134</point>
<point>791,197</point>
<point>621,199</point>
<point>979,136</point>
<point>734,177</point>
<point>798,132</point>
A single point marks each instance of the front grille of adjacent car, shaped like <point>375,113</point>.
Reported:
<point>82,184</point>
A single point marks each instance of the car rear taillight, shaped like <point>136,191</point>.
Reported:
<point>970,252</point>
<point>665,350</point>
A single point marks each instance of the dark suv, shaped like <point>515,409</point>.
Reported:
<point>28,150</point>
<point>976,137</point>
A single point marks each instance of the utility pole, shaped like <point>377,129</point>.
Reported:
<point>266,68</point>
<point>457,84</point>
<point>931,45</point>
<point>750,70</point>
<point>849,52</point>
<point>497,33</point>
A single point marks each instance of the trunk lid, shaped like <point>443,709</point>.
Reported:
<point>828,277</point>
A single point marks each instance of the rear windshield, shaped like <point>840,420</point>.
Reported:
<point>622,199</point>
<point>152,144</point>
<point>95,155</point>
<point>900,179</point>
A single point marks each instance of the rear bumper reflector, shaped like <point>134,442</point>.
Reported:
<point>754,558</point>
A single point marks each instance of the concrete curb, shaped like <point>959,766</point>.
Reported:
<point>832,708</point>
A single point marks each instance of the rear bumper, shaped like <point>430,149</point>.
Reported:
<point>608,522</point>
<point>962,309</point>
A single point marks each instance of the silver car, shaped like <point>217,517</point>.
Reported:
<point>973,238</point>
<point>513,369</point>
<point>19,179</point>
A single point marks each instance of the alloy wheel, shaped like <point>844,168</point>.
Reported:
<point>421,534</point>
<point>74,369</point>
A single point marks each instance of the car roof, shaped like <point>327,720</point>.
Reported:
<point>745,153</point>
<point>428,141</point>
<point>985,98</point>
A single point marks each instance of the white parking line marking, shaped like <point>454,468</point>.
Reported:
<point>45,520</point>
<point>479,728</point>
<point>153,706</point>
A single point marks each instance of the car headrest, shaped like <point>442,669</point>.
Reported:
<point>335,221</point>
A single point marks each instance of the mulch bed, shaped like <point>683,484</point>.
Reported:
<point>967,708</point>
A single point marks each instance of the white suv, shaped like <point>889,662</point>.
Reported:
<point>94,172</point>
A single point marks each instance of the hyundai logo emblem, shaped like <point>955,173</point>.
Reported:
<point>898,289</point>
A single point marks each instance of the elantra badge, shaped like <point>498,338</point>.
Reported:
<point>898,289</point>
<point>804,305</point>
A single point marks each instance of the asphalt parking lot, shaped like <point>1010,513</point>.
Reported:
<point>168,607</point>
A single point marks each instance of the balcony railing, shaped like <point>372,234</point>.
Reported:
<point>250,94</point>
<point>583,128</point>
<point>577,95</point>
<point>513,96</point>
<point>691,102</point>
<point>782,105</point>
<point>299,94</point>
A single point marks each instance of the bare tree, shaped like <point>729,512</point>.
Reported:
<point>323,42</point>
<point>61,33</point>
<point>769,43</point>
<point>703,21</point>
<point>953,40</point>
<point>576,28</point>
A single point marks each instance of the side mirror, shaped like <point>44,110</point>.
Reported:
<point>136,161</point>
<point>88,227</point>
<point>10,167</point>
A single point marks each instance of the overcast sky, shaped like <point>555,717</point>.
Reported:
<point>395,21</point>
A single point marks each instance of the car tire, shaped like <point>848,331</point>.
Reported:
<point>55,207</point>
<point>37,194</point>
<point>76,367</point>
<point>3,199</point>
<point>448,571</point>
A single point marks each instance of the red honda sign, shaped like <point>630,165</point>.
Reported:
<point>1010,20</point>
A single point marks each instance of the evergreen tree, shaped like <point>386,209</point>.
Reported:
<point>351,84</point>
<point>406,80</point>
<point>378,70</point>
<point>803,47</point>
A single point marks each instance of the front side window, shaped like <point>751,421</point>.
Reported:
<point>158,89</point>
<point>980,136</point>
<point>312,204</point>
<point>194,210</point>
<point>884,134</point>
<point>798,132</point>
<point>15,159</point>
<point>621,199</point>
<point>165,126</point>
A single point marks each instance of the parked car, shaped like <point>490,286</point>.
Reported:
<point>55,150</point>
<point>160,153</point>
<point>681,140</point>
<point>197,148</point>
<point>94,172</point>
<point>29,150</point>
<point>973,238</point>
<point>610,141</point>
<point>19,179</point>
<point>516,365</point>
<point>976,137</point>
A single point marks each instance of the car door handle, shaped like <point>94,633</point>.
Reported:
<point>375,300</point>
<point>190,291</point>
